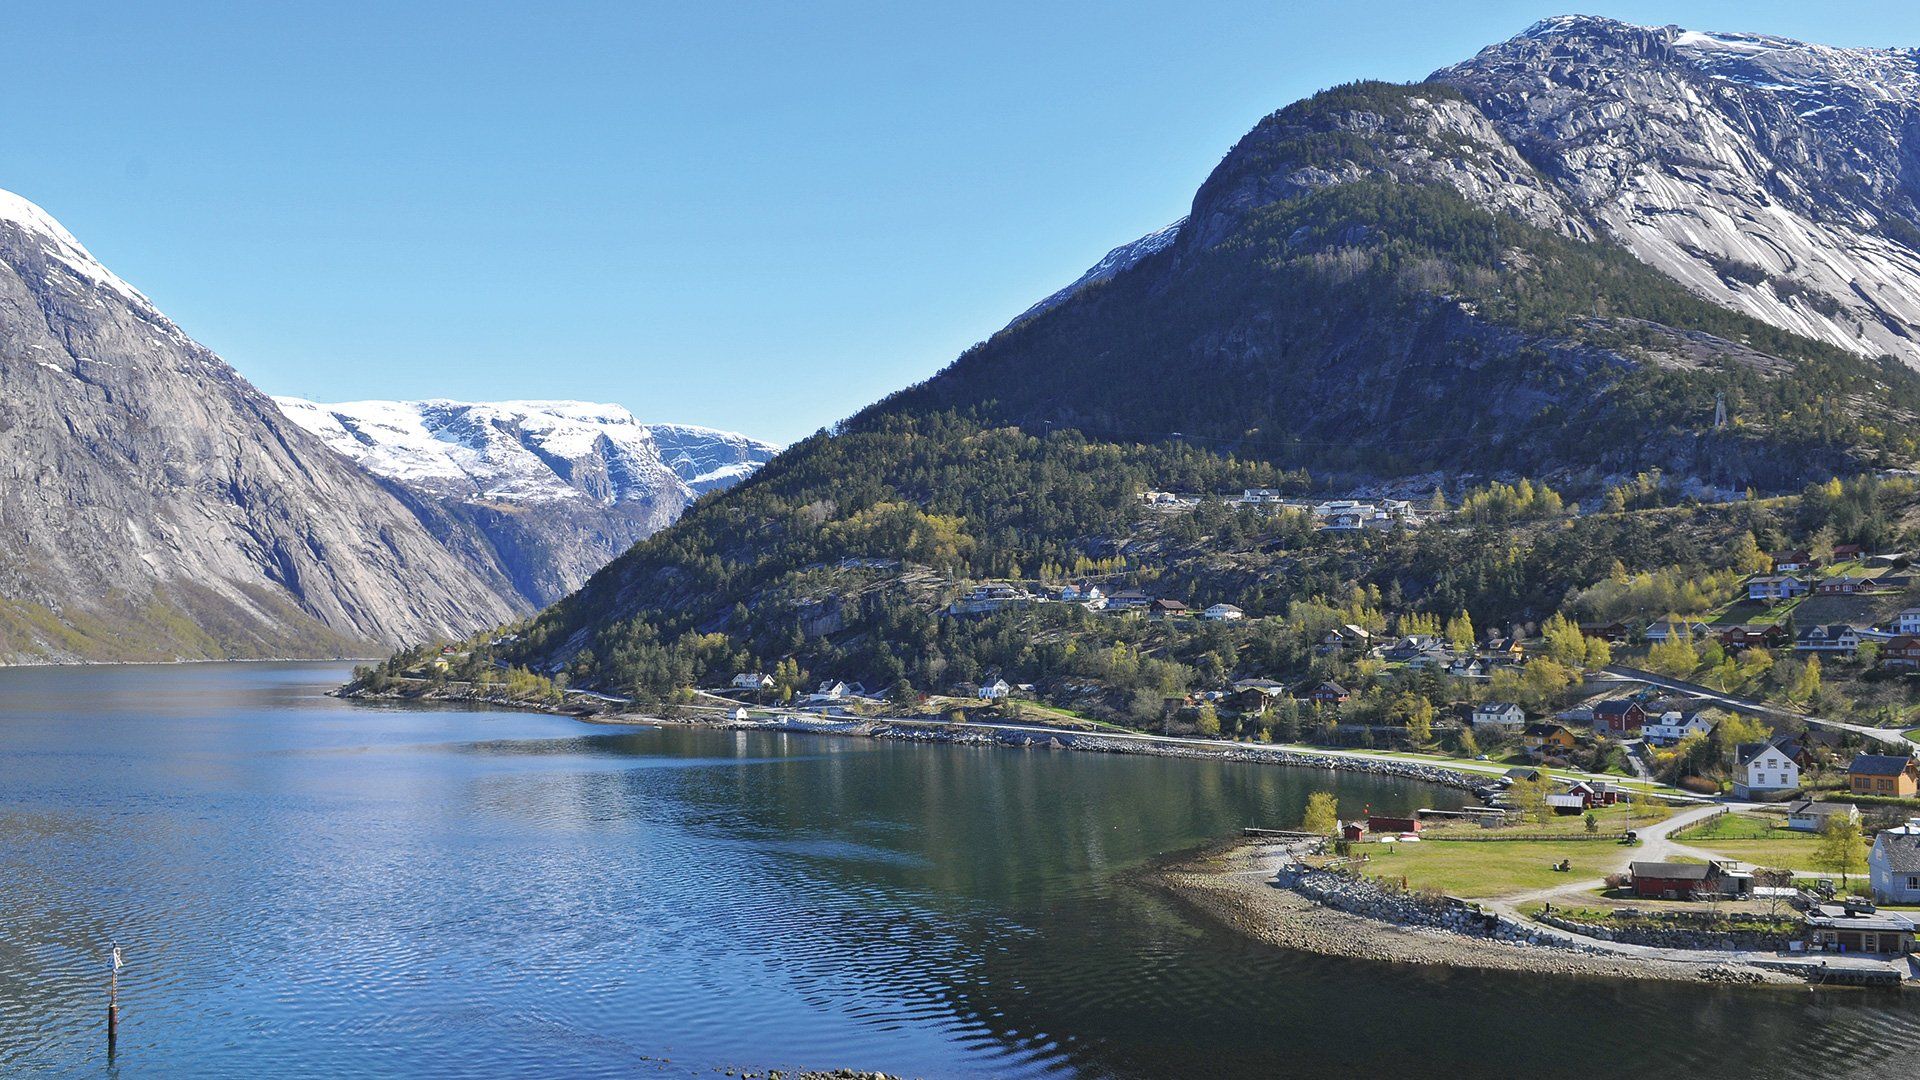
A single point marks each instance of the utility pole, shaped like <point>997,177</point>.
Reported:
<point>113,1002</point>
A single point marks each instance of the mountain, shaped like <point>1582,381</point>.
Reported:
<point>547,491</point>
<point>1771,176</point>
<point>1378,283</point>
<point>156,506</point>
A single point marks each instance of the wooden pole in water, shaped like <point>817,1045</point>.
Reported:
<point>113,1002</point>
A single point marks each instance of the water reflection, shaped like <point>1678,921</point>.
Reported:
<point>331,889</point>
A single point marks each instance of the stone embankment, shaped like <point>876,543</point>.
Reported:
<point>1259,889</point>
<point>1680,933</point>
<point>1094,743</point>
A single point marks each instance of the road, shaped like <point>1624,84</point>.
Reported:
<point>1749,705</point>
<point>1488,769</point>
<point>1657,845</point>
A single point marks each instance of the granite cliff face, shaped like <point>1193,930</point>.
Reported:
<point>157,506</point>
<point>544,492</point>
<point>1772,176</point>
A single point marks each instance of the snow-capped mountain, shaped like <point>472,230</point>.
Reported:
<point>157,506</point>
<point>1772,176</point>
<point>554,488</point>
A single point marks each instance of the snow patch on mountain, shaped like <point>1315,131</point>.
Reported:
<point>60,247</point>
<point>525,452</point>
<point>1117,261</point>
<point>1768,175</point>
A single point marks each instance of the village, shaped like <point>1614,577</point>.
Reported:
<point>1802,841</point>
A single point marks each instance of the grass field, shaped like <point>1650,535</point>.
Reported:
<point>1795,854</point>
<point>1610,819</point>
<point>1731,827</point>
<point>1752,839</point>
<point>1477,870</point>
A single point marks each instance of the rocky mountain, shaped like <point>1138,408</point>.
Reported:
<point>1497,271</point>
<point>156,506</point>
<point>546,491</point>
<point>1772,176</point>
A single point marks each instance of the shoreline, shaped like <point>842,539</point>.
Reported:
<point>1231,884</point>
<point>1025,737</point>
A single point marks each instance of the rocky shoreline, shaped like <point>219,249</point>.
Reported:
<point>1233,885</point>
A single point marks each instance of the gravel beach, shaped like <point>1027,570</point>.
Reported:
<point>1232,884</point>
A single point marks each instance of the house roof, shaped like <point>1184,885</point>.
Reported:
<point>1496,706</point>
<point>1879,764</point>
<point>1900,851</point>
<point>1543,731</point>
<point>1521,774</point>
<point>1613,706</point>
<point>1674,871</point>
<point>1819,809</point>
<point>1746,752</point>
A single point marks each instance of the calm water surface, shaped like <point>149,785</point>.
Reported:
<point>309,888</point>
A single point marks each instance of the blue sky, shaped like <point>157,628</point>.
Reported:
<point>753,216</point>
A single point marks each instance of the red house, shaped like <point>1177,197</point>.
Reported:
<point>1767,636</point>
<point>1328,693</point>
<point>1676,881</point>
<point>1352,831</point>
<point>1901,651</point>
<point>1619,716</point>
<point>1393,824</point>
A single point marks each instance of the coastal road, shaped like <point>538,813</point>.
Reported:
<point>1471,769</point>
<point>1749,705</point>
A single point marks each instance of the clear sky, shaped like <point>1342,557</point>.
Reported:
<point>758,217</point>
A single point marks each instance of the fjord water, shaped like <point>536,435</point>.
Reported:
<point>305,887</point>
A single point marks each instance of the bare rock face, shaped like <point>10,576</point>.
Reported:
<point>544,493</point>
<point>156,506</point>
<point>1772,176</point>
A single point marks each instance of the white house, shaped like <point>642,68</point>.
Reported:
<point>1907,622</point>
<point>1673,725</point>
<point>1759,768</point>
<point>997,690</point>
<point>1223,613</point>
<point>829,691</point>
<point>1808,816</point>
<point>1504,716</point>
<point>1829,638</point>
<point>1893,867</point>
<point>740,715</point>
<point>752,680</point>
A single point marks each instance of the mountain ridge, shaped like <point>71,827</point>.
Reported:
<point>546,491</point>
<point>158,506</point>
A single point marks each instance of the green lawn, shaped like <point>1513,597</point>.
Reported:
<point>1477,870</point>
<point>1782,854</point>
<point>1912,734</point>
<point>1730,827</point>
<point>1610,819</point>
<point>1762,841</point>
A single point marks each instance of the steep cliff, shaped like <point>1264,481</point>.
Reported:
<point>156,506</point>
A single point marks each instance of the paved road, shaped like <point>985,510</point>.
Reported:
<point>1749,705</point>
<point>1657,845</point>
<point>1488,769</point>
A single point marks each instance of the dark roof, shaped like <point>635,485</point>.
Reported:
<point>1902,851</point>
<point>1614,705</point>
<point>1541,731</point>
<point>1521,774</point>
<point>1674,871</point>
<point>1879,764</point>
<point>1818,809</point>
